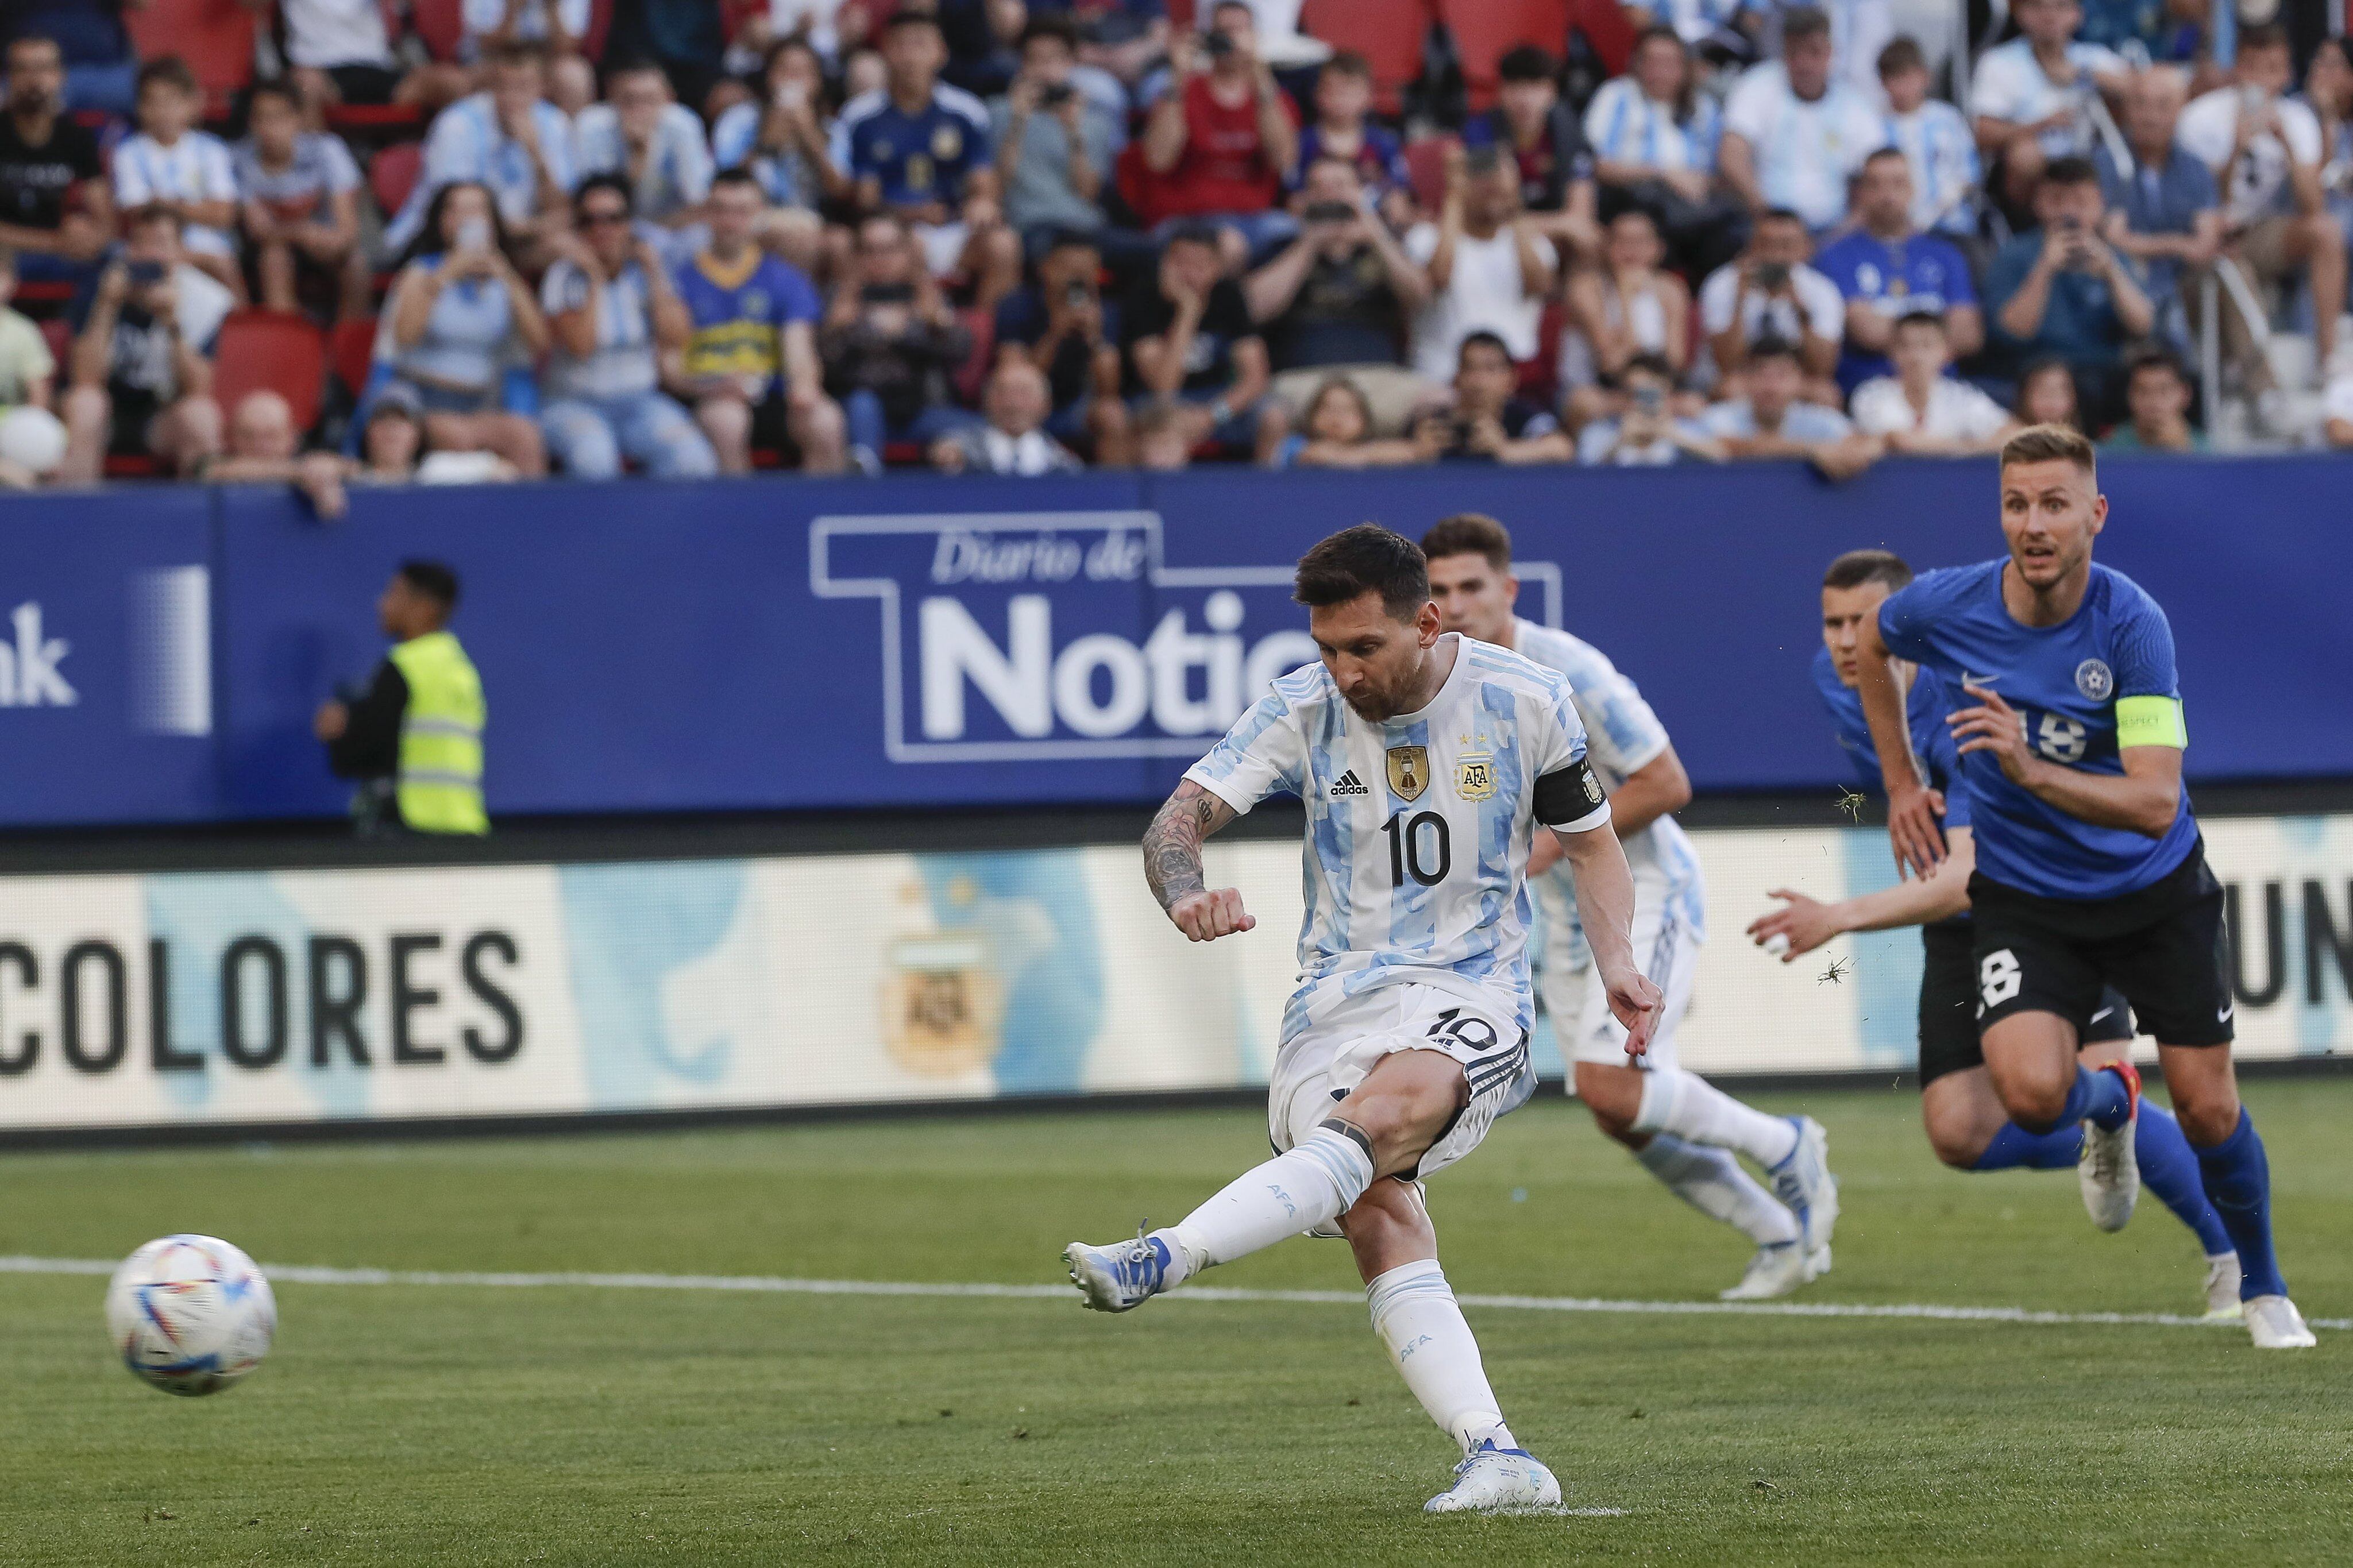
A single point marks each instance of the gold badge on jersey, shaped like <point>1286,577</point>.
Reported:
<point>1474,777</point>
<point>1408,771</point>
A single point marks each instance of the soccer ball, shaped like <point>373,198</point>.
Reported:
<point>33,440</point>
<point>191,1314</point>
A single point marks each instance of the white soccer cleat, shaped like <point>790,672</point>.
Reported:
<point>1803,1182</point>
<point>1119,1277</point>
<point>1777,1270</point>
<point>1497,1480</point>
<point>2276,1325</point>
<point>2107,1170</point>
<point>2223,1288</point>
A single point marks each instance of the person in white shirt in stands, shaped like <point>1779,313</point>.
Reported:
<point>1647,435</point>
<point>338,51</point>
<point>1771,422</point>
<point>1794,133</point>
<point>1860,29</point>
<point>1489,270</point>
<point>1936,144</point>
<point>171,163</point>
<point>1770,292</point>
<point>612,309</point>
<point>643,134</point>
<point>555,27</point>
<point>1921,411</point>
<point>2266,153</point>
<point>300,206</point>
<point>1016,402</point>
<point>511,140</point>
<point>2032,96</point>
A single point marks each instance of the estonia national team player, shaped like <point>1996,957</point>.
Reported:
<point>2090,868</point>
<point>1426,762</point>
<point>1967,1125</point>
<point>1683,1129</point>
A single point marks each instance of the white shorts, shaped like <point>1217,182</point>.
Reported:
<point>1665,947</point>
<point>1316,1068</point>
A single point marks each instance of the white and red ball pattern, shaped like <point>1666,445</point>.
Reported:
<point>190,1314</point>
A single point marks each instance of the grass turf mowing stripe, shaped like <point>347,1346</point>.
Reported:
<point>304,1273</point>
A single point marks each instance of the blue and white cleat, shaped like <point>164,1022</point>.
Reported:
<point>1119,1277</point>
<point>1497,1480</point>
<point>1802,1180</point>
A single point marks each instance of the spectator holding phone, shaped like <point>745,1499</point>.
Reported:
<point>2061,290</point>
<point>301,208</point>
<point>1646,433</point>
<point>1770,292</point>
<point>889,341</point>
<point>143,356</point>
<point>1062,325</point>
<point>1489,269</point>
<point>1487,421</point>
<point>1054,145</point>
<point>1223,140</point>
<point>781,140</point>
<point>459,327</point>
<point>2033,97</point>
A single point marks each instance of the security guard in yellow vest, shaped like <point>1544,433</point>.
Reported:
<point>414,738</point>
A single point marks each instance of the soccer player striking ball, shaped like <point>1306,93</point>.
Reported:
<point>1964,1120</point>
<point>1680,1127</point>
<point>1426,761</point>
<point>2090,868</point>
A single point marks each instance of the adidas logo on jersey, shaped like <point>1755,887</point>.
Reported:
<point>1349,784</point>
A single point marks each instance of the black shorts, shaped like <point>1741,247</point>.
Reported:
<point>1948,1004</point>
<point>2162,947</point>
<point>364,84</point>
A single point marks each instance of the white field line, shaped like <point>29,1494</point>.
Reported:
<point>769,1285</point>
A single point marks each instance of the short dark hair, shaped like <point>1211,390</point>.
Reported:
<point>1921,317</point>
<point>1773,346</point>
<point>274,87</point>
<point>169,70</point>
<point>1903,54</point>
<point>2070,171</point>
<point>1481,339</point>
<point>2051,444</point>
<point>1470,533</point>
<point>1649,364</point>
<point>908,17</point>
<point>2153,358</point>
<point>1804,22</point>
<point>1191,231</point>
<point>1856,567</point>
<point>1783,215</point>
<point>1348,62</point>
<point>2262,35</point>
<point>516,52</point>
<point>739,175</point>
<point>433,580</point>
<point>611,183</point>
<point>1526,62</point>
<point>1366,559</point>
<point>1876,154</point>
<point>1054,25</point>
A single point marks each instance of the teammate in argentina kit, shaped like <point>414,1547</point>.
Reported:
<point>1683,1129</point>
<point>1426,762</point>
<point>1965,1121</point>
<point>2090,870</point>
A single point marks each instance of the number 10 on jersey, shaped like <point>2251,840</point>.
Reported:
<point>1420,846</point>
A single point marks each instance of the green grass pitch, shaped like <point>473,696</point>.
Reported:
<point>470,1424</point>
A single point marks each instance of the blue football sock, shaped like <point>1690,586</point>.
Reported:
<point>2098,1097</point>
<point>2168,1169</point>
<point>2239,1181</point>
<point>2014,1146</point>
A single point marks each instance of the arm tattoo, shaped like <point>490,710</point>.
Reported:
<point>1172,845</point>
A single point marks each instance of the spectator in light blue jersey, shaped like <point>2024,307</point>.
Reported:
<point>1653,136</point>
<point>612,310</point>
<point>1770,422</point>
<point>2034,97</point>
<point>1886,271</point>
<point>1647,435</point>
<point>299,206</point>
<point>782,139</point>
<point>1936,144</point>
<point>656,144</point>
<point>1794,132</point>
<point>512,141</point>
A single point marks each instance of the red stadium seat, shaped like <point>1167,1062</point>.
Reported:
<point>375,119</point>
<point>1389,33</point>
<point>392,175</point>
<point>601,27</point>
<point>1483,30</point>
<point>215,37</point>
<point>351,350</point>
<point>1425,161</point>
<point>57,333</point>
<point>277,350</point>
<point>1607,30</point>
<point>441,25</point>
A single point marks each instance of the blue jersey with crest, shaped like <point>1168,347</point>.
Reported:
<point>1418,827</point>
<point>1932,738</point>
<point>2066,680</point>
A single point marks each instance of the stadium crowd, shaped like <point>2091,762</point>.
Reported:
<point>467,240</point>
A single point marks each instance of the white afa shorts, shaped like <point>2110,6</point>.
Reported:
<point>1668,951</point>
<point>1318,1067</point>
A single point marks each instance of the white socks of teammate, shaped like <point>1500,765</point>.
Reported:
<point>1415,1313</point>
<point>1698,1113</point>
<point>1712,1181</point>
<point>1315,1184</point>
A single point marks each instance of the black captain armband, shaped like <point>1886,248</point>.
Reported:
<point>1567,797</point>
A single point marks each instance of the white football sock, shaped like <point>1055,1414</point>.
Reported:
<point>1698,1113</point>
<point>1712,1181</point>
<point>1320,1180</point>
<point>1415,1313</point>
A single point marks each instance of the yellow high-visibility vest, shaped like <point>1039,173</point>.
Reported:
<point>439,786</point>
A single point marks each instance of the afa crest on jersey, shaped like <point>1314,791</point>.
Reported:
<point>1408,771</point>
<point>1475,776</point>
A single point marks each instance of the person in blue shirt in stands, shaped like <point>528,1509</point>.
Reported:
<point>1888,270</point>
<point>1966,1123</point>
<point>2063,290</point>
<point>2164,210</point>
<point>2090,871</point>
<point>751,370</point>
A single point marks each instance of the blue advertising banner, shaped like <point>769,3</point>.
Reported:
<point>770,644</point>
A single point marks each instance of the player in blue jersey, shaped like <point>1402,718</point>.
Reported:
<point>1683,1129</point>
<point>1426,761</point>
<point>2090,868</point>
<point>1966,1122</point>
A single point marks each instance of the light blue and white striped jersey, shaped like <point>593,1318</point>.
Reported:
<point>622,363</point>
<point>1806,151</point>
<point>467,142</point>
<point>196,168</point>
<point>2010,84</point>
<point>1417,828</point>
<point>786,177</point>
<point>1692,20</point>
<point>1622,737</point>
<point>677,168</point>
<point>1937,143</point>
<point>1625,127</point>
